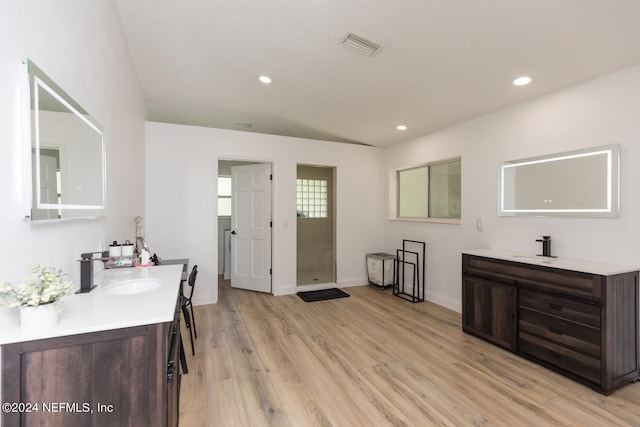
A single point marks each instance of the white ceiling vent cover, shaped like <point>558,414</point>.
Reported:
<point>360,44</point>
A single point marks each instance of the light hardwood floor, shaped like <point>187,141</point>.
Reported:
<point>370,360</point>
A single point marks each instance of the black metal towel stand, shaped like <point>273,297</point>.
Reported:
<point>412,258</point>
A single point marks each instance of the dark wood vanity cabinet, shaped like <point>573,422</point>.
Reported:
<point>120,377</point>
<point>580,324</point>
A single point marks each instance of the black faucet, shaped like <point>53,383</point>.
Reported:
<point>86,271</point>
<point>546,246</point>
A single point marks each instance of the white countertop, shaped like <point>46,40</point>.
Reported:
<point>592,267</point>
<point>98,311</point>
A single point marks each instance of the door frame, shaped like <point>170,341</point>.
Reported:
<point>334,225</point>
<point>251,160</point>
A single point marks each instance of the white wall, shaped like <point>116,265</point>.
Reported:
<point>600,112</point>
<point>81,46</point>
<point>182,166</point>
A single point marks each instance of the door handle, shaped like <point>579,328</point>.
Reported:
<point>234,232</point>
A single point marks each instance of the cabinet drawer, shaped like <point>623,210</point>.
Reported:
<point>565,333</point>
<point>561,357</point>
<point>573,311</point>
<point>573,283</point>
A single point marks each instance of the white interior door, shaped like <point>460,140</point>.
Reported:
<point>251,227</point>
<point>48,179</point>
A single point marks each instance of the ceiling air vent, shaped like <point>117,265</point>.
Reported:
<point>360,44</point>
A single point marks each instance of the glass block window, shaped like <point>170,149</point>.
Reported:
<point>311,198</point>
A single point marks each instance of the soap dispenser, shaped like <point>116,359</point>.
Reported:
<point>115,250</point>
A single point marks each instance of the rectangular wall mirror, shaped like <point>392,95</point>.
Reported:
<point>67,153</point>
<point>583,183</point>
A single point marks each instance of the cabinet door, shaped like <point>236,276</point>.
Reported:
<point>489,311</point>
<point>109,378</point>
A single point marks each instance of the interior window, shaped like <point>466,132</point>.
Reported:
<point>430,191</point>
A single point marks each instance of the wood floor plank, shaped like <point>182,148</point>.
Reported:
<point>296,400</point>
<point>259,396</point>
<point>577,414</point>
<point>418,409</point>
<point>328,391</point>
<point>371,359</point>
<point>225,405</point>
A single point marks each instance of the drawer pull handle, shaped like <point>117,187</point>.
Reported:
<point>555,330</point>
<point>170,369</point>
<point>555,306</point>
<point>555,354</point>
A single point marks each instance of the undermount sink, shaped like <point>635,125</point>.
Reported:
<point>544,260</point>
<point>525,257</point>
<point>132,287</point>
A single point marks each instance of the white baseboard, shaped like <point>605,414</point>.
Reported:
<point>446,302</point>
<point>203,300</point>
<point>352,283</point>
<point>285,290</point>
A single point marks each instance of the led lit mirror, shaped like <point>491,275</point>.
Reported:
<point>583,183</point>
<point>67,153</point>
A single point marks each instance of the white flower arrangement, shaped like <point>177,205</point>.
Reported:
<point>44,286</point>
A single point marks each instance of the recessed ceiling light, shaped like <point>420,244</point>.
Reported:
<point>522,81</point>
<point>401,127</point>
<point>265,79</point>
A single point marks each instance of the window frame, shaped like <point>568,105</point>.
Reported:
<point>394,193</point>
<point>219,197</point>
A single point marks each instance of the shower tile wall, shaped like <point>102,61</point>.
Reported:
<point>315,236</point>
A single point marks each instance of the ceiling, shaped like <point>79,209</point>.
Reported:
<point>440,62</point>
